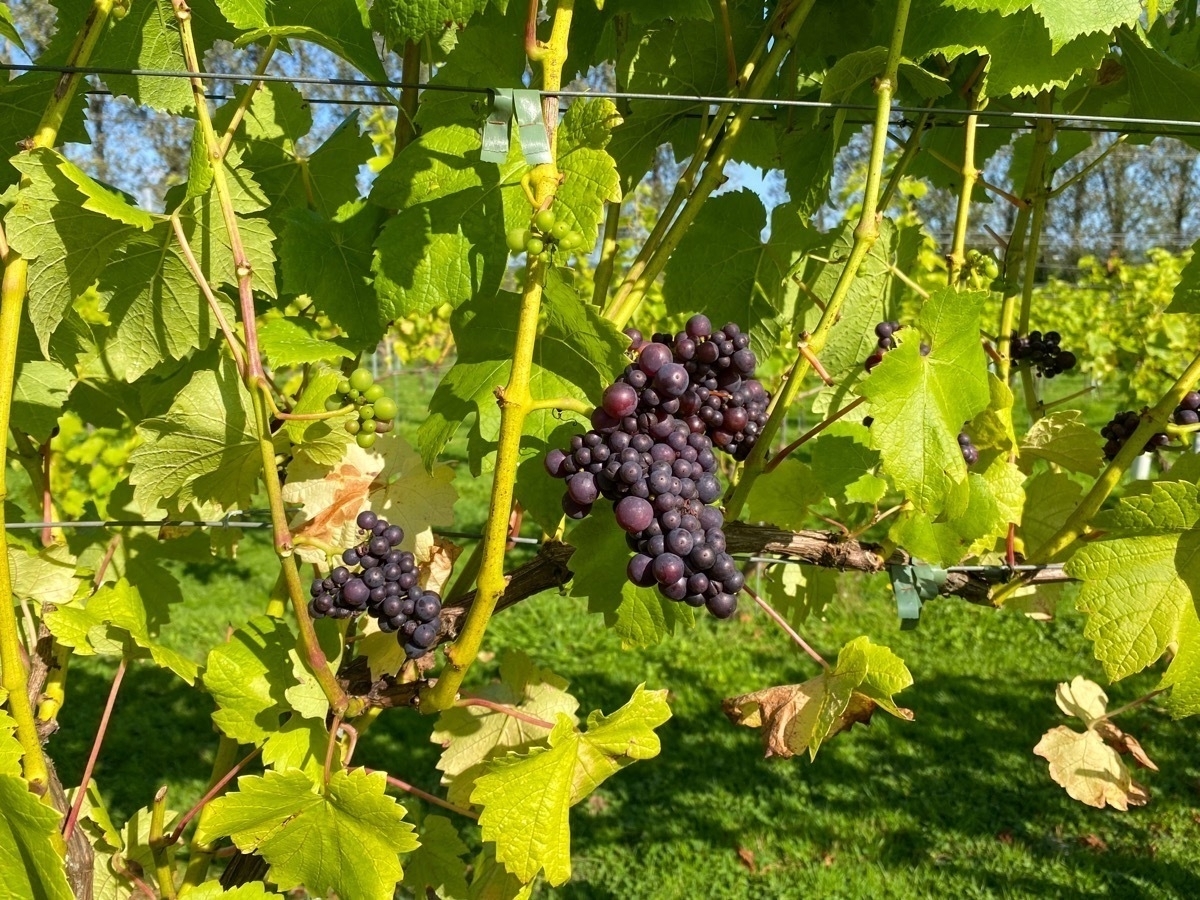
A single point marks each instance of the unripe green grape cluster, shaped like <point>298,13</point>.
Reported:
<point>376,413</point>
<point>545,235</point>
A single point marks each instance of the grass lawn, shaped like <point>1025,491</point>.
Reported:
<point>951,805</point>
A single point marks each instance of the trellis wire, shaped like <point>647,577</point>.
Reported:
<point>462,535</point>
<point>709,99</point>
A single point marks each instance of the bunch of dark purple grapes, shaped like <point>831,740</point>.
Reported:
<point>713,374</point>
<point>380,580</point>
<point>1124,424</point>
<point>1043,352</point>
<point>1188,410</point>
<point>650,452</point>
<point>883,331</point>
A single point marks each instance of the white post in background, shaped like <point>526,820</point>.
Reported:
<point>1140,470</point>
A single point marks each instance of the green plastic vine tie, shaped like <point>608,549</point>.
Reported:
<point>254,376</point>
<point>12,299</point>
<point>515,403</point>
<point>669,229</point>
<point>865,235</point>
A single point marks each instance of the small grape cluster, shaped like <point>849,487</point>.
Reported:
<point>970,453</point>
<point>380,580</point>
<point>1043,352</point>
<point>1123,425</point>
<point>883,331</point>
<point>713,373</point>
<point>545,236</point>
<point>1188,410</point>
<point>376,413</point>
<point>651,452</point>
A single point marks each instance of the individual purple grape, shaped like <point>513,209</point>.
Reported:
<point>671,380</point>
<point>379,546</point>
<point>554,463</point>
<point>412,651</point>
<point>350,557</point>
<point>620,400</point>
<point>1191,400</point>
<point>366,520</point>
<point>679,541</point>
<point>356,593</point>
<point>574,510</point>
<point>425,636</point>
<point>581,487</point>
<point>638,570</point>
<point>428,608</point>
<point>653,357</point>
<point>722,606</point>
<point>667,568</point>
<point>322,604</point>
<point>698,327</point>
<point>674,591</point>
<point>318,588</point>
<point>634,514</point>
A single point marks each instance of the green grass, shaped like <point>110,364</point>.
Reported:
<point>953,804</point>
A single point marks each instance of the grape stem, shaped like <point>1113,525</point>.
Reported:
<point>815,363</point>
<point>866,233</point>
<point>1132,704</point>
<point>956,259</point>
<point>788,629</point>
<point>1061,400</point>
<point>331,744</point>
<point>569,404</point>
<point>15,675</point>
<point>164,869</point>
<point>1014,249</point>
<point>514,399</point>
<point>471,700</point>
<point>782,31</point>
<point>424,795</point>
<point>200,855</point>
<point>73,815</point>
<point>197,273</point>
<point>254,376</point>
<point>212,792</point>
<point>811,433</point>
<point>247,98</point>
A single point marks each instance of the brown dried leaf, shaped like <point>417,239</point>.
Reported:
<point>1091,771</point>
<point>1124,743</point>
<point>746,857</point>
<point>435,560</point>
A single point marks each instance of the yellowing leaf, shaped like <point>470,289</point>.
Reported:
<point>471,735</point>
<point>388,479</point>
<point>1091,771</point>
<point>48,576</point>
<point>1082,699</point>
<point>798,717</point>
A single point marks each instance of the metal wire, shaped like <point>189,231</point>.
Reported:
<point>709,99</point>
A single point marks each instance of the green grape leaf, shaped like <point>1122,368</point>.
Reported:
<point>8,30</point>
<point>323,441</point>
<point>295,342</point>
<point>305,695</point>
<point>576,355</point>
<point>446,242</point>
<point>300,743</point>
<point>920,403</point>
<point>472,735</point>
<point>1140,581</point>
<point>66,242</point>
<point>1186,298</point>
<point>526,798</point>
<point>146,38</point>
<point>1050,498</point>
<point>844,464</point>
<point>51,575</point>
<point>330,261</point>
<point>1065,19</point>
<point>212,890</point>
<point>337,25</point>
<point>783,495</point>
<point>852,338</point>
<point>40,392</point>
<point>798,591</point>
<point>247,675</point>
<point>119,621</point>
<point>203,451</point>
<point>1065,439</point>
<point>799,717</point>
<point>591,178</point>
<point>724,259</point>
<point>641,617</point>
<point>993,428</point>
<point>491,881</point>
<point>317,840</point>
<point>415,20</point>
<point>1023,58</point>
<point>31,849</point>
<point>437,865</point>
<point>23,100</point>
